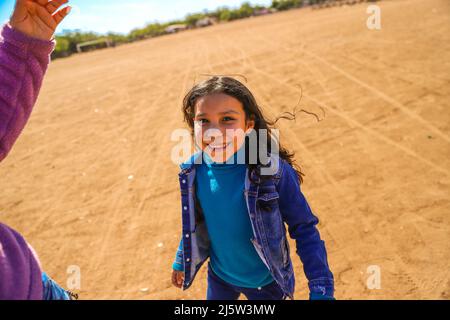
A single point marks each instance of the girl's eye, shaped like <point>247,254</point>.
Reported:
<point>202,121</point>
<point>228,119</point>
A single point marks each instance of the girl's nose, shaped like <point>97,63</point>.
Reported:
<point>214,134</point>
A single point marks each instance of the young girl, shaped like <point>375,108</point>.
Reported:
<point>233,212</point>
<point>25,47</point>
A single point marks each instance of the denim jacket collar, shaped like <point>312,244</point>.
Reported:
<point>197,159</point>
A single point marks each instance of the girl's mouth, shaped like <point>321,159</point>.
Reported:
<point>219,147</point>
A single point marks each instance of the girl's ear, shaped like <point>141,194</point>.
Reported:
<point>250,124</point>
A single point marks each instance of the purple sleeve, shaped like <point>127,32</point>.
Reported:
<point>20,274</point>
<point>23,63</point>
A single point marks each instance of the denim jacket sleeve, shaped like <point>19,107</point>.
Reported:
<point>302,228</point>
<point>178,262</point>
<point>52,291</point>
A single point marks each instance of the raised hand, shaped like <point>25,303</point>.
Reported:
<point>38,18</point>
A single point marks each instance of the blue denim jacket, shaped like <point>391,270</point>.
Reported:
<point>271,203</point>
<point>52,291</point>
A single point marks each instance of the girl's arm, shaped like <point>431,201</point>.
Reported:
<point>302,227</point>
<point>25,47</point>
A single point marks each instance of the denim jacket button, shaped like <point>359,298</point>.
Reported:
<point>185,208</point>
<point>187,260</point>
<point>259,288</point>
<point>187,235</point>
<point>183,181</point>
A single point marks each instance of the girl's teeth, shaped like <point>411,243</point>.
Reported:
<point>219,147</point>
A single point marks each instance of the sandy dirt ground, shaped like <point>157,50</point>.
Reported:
<point>91,183</point>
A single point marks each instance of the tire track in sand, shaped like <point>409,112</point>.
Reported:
<point>157,135</point>
<point>356,123</point>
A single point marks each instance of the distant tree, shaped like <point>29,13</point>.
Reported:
<point>191,19</point>
<point>258,7</point>
<point>225,15</point>
<point>117,38</point>
<point>286,4</point>
<point>62,47</point>
<point>246,10</point>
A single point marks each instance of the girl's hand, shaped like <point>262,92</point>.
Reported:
<point>177,278</point>
<point>37,18</point>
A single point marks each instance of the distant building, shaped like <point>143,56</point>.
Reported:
<point>95,44</point>
<point>176,28</point>
<point>208,21</point>
<point>262,12</point>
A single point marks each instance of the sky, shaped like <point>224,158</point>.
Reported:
<point>124,15</point>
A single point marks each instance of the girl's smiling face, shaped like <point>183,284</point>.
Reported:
<point>220,125</point>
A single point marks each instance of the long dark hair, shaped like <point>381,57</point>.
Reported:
<point>234,88</point>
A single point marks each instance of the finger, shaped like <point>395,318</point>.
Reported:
<point>41,2</point>
<point>175,279</point>
<point>180,279</point>
<point>20,11</point>
<point>53,6</point>
<point>50,5</point>
<point>42,14</point>
<point>61,14</point>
